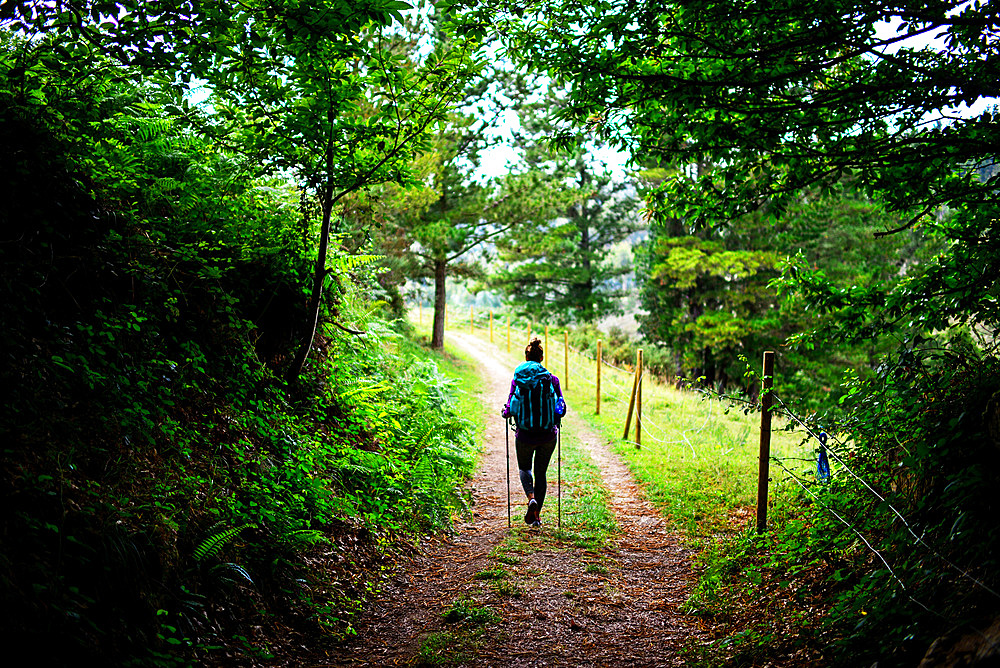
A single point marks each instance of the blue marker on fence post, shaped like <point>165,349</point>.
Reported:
<point>822,463</point>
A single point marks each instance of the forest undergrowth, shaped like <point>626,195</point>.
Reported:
<point>169,497</point>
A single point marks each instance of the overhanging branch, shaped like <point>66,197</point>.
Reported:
<point>905,226</point>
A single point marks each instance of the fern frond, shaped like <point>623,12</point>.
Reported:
<point>423,472</point>
<point>341,264</point>
<point>304,537</point>
<point>211,546</point>
<point>357,469</point>
<point>148,129</point>
<point>166,184</point>
<point>421,442</point>
<point>362,390</point>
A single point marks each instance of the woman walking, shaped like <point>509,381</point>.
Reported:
<point>536,403</point>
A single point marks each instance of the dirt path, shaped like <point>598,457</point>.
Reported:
<point>623,612</point>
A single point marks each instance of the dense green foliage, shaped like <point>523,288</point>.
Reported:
<point>918,481</point>
<point>779,98</point>
<point>925,427</point>
<point>712,296</point>
<point>167,498</point>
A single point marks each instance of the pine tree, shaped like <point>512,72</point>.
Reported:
<point>561,266</point>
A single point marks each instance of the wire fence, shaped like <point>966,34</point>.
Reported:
<point>837,449</point>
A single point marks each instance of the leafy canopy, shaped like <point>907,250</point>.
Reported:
<point>778,97</point>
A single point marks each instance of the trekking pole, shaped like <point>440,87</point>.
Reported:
<point>506,432</point>
<point>559,476</point>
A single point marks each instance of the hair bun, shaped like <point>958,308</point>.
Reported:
<point>533,351</point>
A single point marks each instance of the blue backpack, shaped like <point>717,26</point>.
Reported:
<point>533,404</point>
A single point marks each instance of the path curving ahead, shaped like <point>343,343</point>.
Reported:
<point>623,612</point>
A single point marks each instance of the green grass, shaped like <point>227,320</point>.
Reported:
<point>507,558</point>
<point>468,611</point>
<point>698,461</point>
<point>507,588</point>
<point>495,573</point>
<point>588,521</point>
<point>445,648</point>
<point>461,642</point>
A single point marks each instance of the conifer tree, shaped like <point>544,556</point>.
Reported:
<point>561,266</point>
<point>444,224</point>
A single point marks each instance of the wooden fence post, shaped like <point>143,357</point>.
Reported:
<point>763,468</point>
<point>566,356</point>
<point>597,410</point>
<point>631,405</point>
<point>638,400</point>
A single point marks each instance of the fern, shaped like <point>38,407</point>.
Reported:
<point>165,185</point>
<point>148,129</point>
<point>342,264</point>
<point>422,441</point>
<point>451,453</point>
<point>304,537</point>
<point>359,388</point>
<point>363,465</point>
<point>424,475</point>
<point>212,545</point>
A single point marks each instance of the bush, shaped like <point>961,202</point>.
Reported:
<point>900,545</point>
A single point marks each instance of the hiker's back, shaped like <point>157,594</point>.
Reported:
<point>533,404</point>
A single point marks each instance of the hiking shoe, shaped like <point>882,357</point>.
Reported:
<point>532,514</point>
<point>537,524</point>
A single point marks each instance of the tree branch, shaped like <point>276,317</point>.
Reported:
<point>905,226</point>
<point>348,329</point>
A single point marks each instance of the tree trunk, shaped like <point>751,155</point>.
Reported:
<point>587,287</point>
<point>319,272</point>
<point>440,304</point>
<point>709,370</point>
<point>315,298</point>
